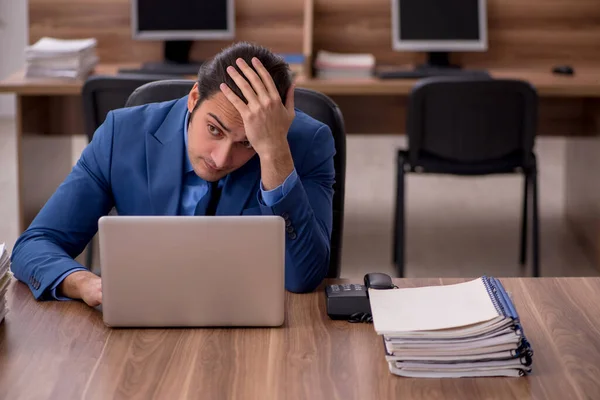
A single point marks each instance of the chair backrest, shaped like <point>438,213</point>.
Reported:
<point>471,119</point>
<point>323,109</point>
<point>313,103</point>
<point>103,93</point>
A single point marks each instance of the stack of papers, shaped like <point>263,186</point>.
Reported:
<point>339,65</point>
<point>5,277</point>
<point>295,61</point>
<point>469,329</point>
<point>58,58</point>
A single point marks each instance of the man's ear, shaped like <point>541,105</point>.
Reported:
<point>193,98</point>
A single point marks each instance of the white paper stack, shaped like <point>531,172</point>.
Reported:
<point>469,329</point>
<point>58,58</point>
<point>5,278</point>
<point>338,65</point>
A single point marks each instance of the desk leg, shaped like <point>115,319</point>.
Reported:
<point>583,184</point>
<point>45,125</point>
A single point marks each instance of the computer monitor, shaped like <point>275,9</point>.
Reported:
<point>438,27</point>
<point>178,23</point>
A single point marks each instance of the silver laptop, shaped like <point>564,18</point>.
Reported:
<point>170,271</point>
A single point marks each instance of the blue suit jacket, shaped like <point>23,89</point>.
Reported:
<point>135,164</point>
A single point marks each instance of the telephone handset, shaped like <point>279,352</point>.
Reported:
<point>377,280</point>
<point>350,301</point>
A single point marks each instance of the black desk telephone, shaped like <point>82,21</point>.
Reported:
<point>350,301</point>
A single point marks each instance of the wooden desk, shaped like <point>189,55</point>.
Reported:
<point>585,83</point>
<point>569,106</point>
<point>63,350</point>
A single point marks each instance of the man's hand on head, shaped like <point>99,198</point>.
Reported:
<point>266,119</point>
<point>82,285</point>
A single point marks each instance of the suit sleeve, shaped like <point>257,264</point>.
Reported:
<point>307,210</point>
<point>270,197</point>
<point>69,220</point>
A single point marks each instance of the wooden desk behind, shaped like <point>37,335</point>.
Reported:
<point>62,350</point>
<point>569,106</point>
<point>585,83</point>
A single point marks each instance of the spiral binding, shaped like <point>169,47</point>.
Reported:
<point>492,292</point>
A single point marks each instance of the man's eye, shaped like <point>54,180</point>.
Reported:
<point>246,144</point>
<point>213,130</point>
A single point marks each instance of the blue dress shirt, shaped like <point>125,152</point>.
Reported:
<point>193,189</point>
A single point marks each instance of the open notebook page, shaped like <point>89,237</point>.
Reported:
<point>431,307</point>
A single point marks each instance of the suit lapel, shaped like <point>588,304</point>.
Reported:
<point>164,161</point>
<point>239,186</point>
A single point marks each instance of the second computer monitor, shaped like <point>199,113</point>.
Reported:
<point>178,23</point>
<point>439,25</point>
<point>183,19</point>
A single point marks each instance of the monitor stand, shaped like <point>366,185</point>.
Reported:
<point>176,61</point>
<point>437,60</point>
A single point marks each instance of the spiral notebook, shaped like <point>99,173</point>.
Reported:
<point>466,329</point>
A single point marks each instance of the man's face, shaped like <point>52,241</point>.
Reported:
<point>217,143</point>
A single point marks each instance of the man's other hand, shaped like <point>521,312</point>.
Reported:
<point>82,285</point>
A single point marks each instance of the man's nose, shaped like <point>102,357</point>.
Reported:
<point>222,154</point>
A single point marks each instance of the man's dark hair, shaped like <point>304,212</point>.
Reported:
<point>214,72</point>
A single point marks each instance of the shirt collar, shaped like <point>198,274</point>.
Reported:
<point>188,165</point>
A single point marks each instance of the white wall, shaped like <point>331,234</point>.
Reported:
<point>13,39</point>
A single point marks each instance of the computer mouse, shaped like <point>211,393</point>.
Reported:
<point>563,70</point>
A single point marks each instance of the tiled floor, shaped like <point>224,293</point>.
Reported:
<point>455,226</point>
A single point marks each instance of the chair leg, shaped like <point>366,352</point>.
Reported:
<point>536,226</point>
<point>524,218</point>
<point>399,223</point>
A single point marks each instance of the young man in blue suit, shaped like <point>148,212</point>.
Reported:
<point>234,146</point>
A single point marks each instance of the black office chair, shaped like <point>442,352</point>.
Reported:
<point>471,126</point>
<point>313,103</point>
<point>101,94</point>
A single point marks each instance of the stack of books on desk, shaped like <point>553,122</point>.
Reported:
<point>5,276</point>
<point>58,58</point>
<point>469,329</point>
<point>338,65</point>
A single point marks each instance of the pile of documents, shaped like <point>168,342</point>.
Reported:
<point>469,329</point>
<point>336,65</point>
<point>58,58</point>
<point>5,277</point>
